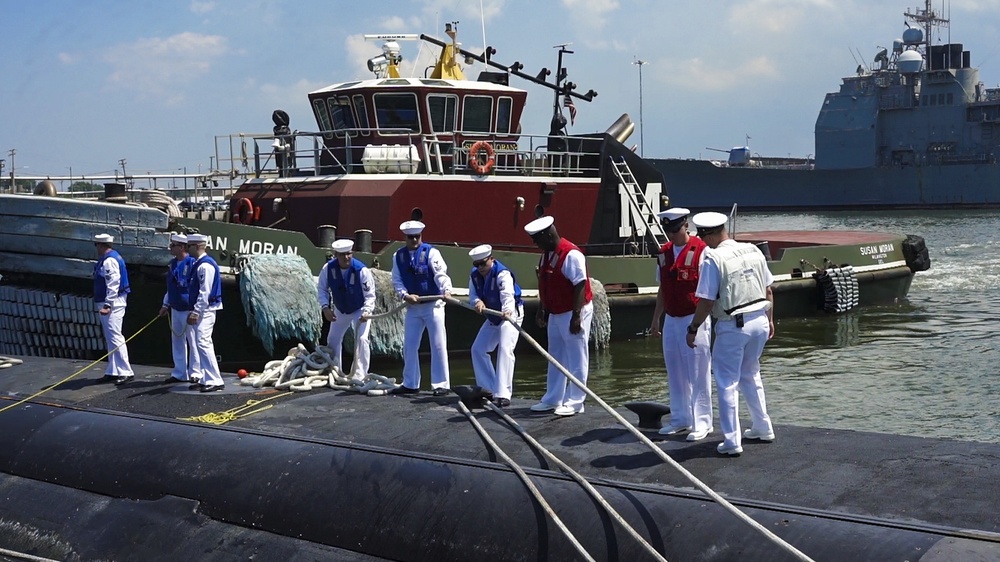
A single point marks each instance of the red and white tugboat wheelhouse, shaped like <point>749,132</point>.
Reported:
<point>450,151</point>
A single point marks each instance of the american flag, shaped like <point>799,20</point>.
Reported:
<point>568,102</point>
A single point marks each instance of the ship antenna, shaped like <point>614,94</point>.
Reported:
<point>482,19</point>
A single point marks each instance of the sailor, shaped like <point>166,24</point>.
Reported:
<point>175,303</point>
<point>566,311</point>
<point>734,286</point>
<point>111,291</point>
<point>689,379</point>
<point>346,293</point>
<point>418,270</point>
<point>205,300</point>
<point>493,286</point>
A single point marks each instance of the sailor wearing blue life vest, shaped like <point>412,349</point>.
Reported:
<point>734,286</point>
<point>418,270</point>
<point>205,300</point>
<point>492,286</point>
<point>346,293</point>
<point>175,304</point>
<point>111,290</point>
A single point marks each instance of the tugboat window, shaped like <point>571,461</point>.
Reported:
<point>396,111</point>
<point>322,117</point>
<point>341,116</point>
<point>443,111</point>
<point>477,114</point>
<point>503,115</point>
<point>361,109</point>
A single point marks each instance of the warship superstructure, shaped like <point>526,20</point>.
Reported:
<point>917,129</point>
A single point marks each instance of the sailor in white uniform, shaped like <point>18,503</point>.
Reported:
<point>176,307</point>
<point>492,286</point>
<point>734,286</point>
<point>205,298</point>
<point>419,270</point>
<point>346,292</point>
<point>111,289</point>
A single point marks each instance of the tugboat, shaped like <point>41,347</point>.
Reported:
<point>916,130</point>
<point>450,152</point>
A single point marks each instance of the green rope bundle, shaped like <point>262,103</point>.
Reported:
<point>600,326</point>
<point>279,299</point>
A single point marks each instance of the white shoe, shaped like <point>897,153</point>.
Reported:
<point>567,411</point>
<point>699,435</point>
<point>673,429</point>
<point>724,449</point>
<point>758,435</point>
<point>542,407</point>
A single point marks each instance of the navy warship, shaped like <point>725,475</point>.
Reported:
<point>917,129</point>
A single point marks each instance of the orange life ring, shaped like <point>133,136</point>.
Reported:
<point>481,168</point>
<point>244,212</point>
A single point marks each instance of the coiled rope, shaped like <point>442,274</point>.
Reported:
<point>222,418</point>
<point>645,440</point>
<point>302,371</point>
<point>67,379</point>
<point>6,362</point>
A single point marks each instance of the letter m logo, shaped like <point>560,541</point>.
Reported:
<point>637,207</point>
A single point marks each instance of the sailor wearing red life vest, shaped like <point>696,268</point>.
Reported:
<point>175,304</point>
<point>734,286</point>
<point>567,311</point>
<point>689,377</point>
<point>419,270</point>
<point>205,299</point>
<point>111,289</point>
<point>346,292</point>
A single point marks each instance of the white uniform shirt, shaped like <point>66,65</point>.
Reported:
<point>437,268</point>
<point>709,275</point>
<point>113,280</point>
<point>205,276</point>
<point>366,279</point>
<point>574,267</point>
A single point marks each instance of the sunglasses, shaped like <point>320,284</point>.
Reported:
<point>344,254</point>
<point>413,236</point>
<point>675,228</point>
<point>480,263</point>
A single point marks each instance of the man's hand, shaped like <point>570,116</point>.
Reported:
<point>654,330</point>
<point>105,310</point>
<point>690,339</point>
<point>574,323</point>
<point>193,318</point>
<point>412,299</point>
<point>163,311</point>
<point>480,306</point>
<point>540,318</point>
<point>329,315</point>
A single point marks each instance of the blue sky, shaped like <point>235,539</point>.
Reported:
<point>84,84</point>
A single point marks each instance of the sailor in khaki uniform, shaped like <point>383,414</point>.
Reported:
<point>735,288</point>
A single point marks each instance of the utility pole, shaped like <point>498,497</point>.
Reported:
<point>3,162</point>
<point>639,63</point>
<point>13,188</point>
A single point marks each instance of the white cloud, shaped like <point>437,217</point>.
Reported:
<point>202,6</point>
<point>591,15</point>
<point>695,74</point>
<point>68,58</point>
<point>156,67</point>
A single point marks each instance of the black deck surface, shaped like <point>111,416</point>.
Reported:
<point>911,482</point>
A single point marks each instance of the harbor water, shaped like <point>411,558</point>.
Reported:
<point>924,367</point>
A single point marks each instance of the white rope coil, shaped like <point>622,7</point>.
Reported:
<point>302,371</point>
<point>6,362</point>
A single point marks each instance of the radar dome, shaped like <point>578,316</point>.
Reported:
<point>913,36</point>
<point>910,62</point>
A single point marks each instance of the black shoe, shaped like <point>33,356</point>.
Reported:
<point>501,403</point>
<point>441,391</point>
<point>109,378</point>
<point>196,386</point>
<point>404,390</point>
<point>213,387</point>
<point>123,380</point>
<point>172,380</point>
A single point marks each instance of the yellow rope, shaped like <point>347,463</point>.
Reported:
<point>96,361</point>
<point>222,418</point>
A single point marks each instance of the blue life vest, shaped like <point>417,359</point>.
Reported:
<point>415,270</point>
<point>194,288</point>
<point>488,289</point>
<point>177,283</point>
<point>347,294</point>
<point>101,284</point>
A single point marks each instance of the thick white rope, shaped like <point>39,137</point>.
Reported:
<point>301,371</point>
<point>6,362</point>
<point>652,446</point>
<point>24,556</point>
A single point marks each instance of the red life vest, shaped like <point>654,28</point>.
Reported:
<point>556,291</point>
<point>679,277</point>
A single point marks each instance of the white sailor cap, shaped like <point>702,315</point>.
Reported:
<point>197,239</point>
<point>709,222</point>
<point>481,252</point>
<point>343,246</point>
<point>103,239</point>
<point>538,225</point>
<point>410,228</point>
<point>179,238</point>
<point>674,216</point>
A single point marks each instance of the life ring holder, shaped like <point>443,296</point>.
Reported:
<point>244,211</point>
<point>481,168</point>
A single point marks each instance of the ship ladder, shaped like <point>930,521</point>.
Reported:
<point>639,202</point>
